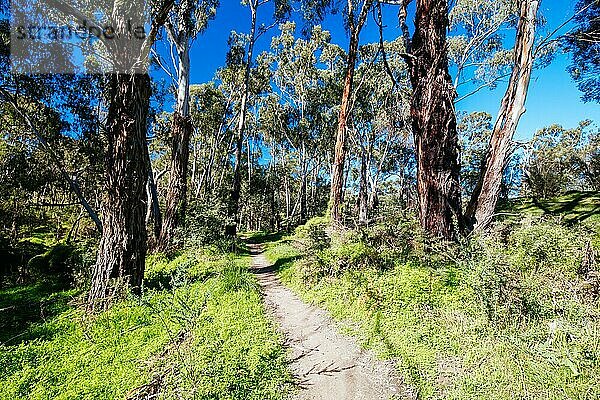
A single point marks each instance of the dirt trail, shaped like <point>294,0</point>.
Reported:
<point>328,365</point>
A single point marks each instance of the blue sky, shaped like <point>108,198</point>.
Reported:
<point>553,96</point>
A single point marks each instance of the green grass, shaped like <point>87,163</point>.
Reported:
<point>572,207</point>
<point>23,306</point>
<point>200,332</point>
<point>470,329</point>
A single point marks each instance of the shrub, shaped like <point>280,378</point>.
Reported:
<point>399,238</point>
<point>67,263</point>
<point>235,277</point>
<point>164,272</point>
<point>205,225</point>
<point>531,273</point>
<point>315,224</point>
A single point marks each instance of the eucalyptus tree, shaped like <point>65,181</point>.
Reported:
<point>212,118</point>
<point>301,90</point>
<point>188,19</point>
<point>476,48</point>
<point>589,161</point>
<point>356,16</point>
<point>433,118</point>
<point>380,119</point>
<point>122,250</point>
<point>551,162</point>
<point>584,43</point>
<point>484,198</point>
<point>477,54</point>
<point>274,123</point>
<point>475,131</point>
<point>281,9</point>
<point>30,98</point>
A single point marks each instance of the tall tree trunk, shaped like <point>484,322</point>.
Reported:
<point>339,159</point>
<point>303,184</point>
<point>434,122</point>
<point>181,130</point>
<point>153,207</point>
<point>237,172</point>
<point>484,198</point>
<point>363,197</point>
<point>122,249</point>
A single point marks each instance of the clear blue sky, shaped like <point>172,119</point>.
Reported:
<point>553,96</point>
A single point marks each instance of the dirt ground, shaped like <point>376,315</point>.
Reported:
<point>327,364</point>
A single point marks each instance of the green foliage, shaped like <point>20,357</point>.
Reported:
<point>584,44</point>
<point>205,338</point>
<point>330,253</point>
<point>531,275</point>
<point>162,272</point>
<point>475,130</point>
<point>236,277</point>
<point>40,259</point>
<point>22,306</point>
<point>13,257</point>
<point>476,40</point>
<point>557,161</point>
<point>504,315</point>
<point>66,262</point>
<point>205,225</point>
<point>315,231</point>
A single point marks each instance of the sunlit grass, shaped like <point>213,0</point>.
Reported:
<point>541,339</point>
<point>199,333</point>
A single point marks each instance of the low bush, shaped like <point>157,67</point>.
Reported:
<point>534,273</point>
<point>67,263</point>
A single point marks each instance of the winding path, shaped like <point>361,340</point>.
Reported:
<point>328,365</point>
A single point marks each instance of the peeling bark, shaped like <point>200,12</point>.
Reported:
<point>122,250</point>
<point>181,130</point>
<point>484,198</point>
<point>434,122</point>
<point>176,198</point>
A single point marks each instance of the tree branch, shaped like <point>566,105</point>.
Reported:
<point>72,183</point>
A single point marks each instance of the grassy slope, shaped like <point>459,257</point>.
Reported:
<point>204,336</point>
<point>571,207</point>
<point>433,322</point>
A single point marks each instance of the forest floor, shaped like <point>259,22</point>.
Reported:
<point>326,364</point>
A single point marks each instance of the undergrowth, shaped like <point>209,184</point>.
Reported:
<point>512,315</point>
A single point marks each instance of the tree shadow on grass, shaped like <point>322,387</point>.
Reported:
<point>23,306</point>
<point>571,206</point>
<point>279,265</point>
<point>263,237</point>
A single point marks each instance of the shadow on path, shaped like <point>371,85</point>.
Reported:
<point>326,364</point>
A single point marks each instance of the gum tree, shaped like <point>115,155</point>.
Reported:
<point>433,118</point>
<point>484,198</point>
<point>122,250</point>
<point>188,19</point>
<point>356,12</point>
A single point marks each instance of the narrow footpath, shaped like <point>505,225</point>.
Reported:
<point>327,364</point>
